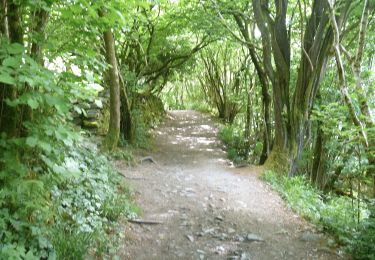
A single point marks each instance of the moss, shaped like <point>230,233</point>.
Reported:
<point>103,120</point>
<point>90,124</point>
<point>111,140</point>
<point>151,108</point>
<point>278,161</point>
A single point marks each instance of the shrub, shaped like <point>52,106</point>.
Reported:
<point>351,225</point>
<point>233,139</point>
<point>66,208</point>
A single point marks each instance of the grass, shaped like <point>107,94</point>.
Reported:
<point>353,226</point>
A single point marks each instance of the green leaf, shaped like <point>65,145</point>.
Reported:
<point>31,141</point>
<point>58,102</point>
<point>7,79</point>
<point>90,77</point>
<point>30,256</point>
<point>15,48</point>
<point>12,62</point>
<point>33,103</point>
<point>45,146</point>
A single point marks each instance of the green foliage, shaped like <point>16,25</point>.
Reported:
<point>349,222</point>
<point>344,148</point>
<point>70,244</point>
<point>69,207</point>
<point>363,245</point>
<point>147,112</point>
<point>57,198</point>
<point>234,141</point>
<point>185,95</point>
<point>124,154</point>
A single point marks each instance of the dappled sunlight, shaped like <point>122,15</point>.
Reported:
<point>206,127</point>
<point>221,160</point>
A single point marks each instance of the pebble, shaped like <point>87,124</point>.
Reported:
<point>220,250</point>
<point>253,237</point>
<point>220,218</point>
<point>245,256</point>
<point>191,238</point>
<point>238,238</point>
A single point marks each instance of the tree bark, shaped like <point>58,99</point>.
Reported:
<point>291,115</point>
<point>4,18</point>
<point>249,119</point>
<point>127,125</point>
<point>314,57</point>
<point>316,175</point>
<point>243,26</point>
<point>40,21</point>
<point>112,138</point>
<point>276,46</point>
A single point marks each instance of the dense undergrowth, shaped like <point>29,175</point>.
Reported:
<point>238,149</point>
<point>59,208</point>
<point>59,196</point>
<point>351,221</point>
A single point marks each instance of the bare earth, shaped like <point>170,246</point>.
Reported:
<point>209,209</point>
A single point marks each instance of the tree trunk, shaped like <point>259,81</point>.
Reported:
<point>4,19</point>
<point>314,57</point>
<point>315,177</point>
<point>266,100</point>
<point>248,125</point>
<point>127,124</point>
<point>243,25</point>
<point>9,116</point>
<point>291,118</point>
<point>276,50</point>
<point>112,138</point>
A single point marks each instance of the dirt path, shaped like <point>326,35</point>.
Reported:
<point>210,210</point>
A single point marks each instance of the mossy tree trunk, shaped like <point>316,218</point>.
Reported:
<point>292,112</point>
<point>276,64</point>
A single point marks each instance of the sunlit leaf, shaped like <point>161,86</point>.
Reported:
<point>7,79</point>
<point>31,141</point>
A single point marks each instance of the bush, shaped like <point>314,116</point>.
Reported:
<point>233,139</point>
<point>334,214</point>
<point>362,246</point>
<point>57,198</point>
<point>65,209</point>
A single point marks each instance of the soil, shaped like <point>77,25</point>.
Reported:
<point>207,208</point>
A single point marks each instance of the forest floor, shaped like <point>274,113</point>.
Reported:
<point>208,209</point>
